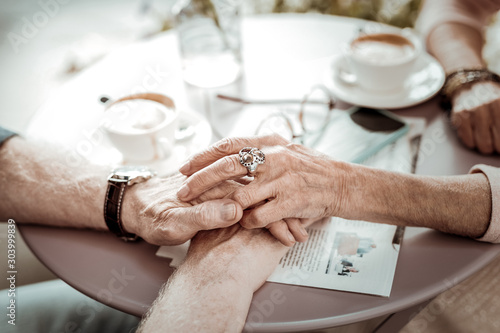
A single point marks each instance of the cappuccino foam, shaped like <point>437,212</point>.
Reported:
<point>136,116</point>
<point>383,49</point>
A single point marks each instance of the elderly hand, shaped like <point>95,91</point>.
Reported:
<point>476,116</point>
<point>223,267</point>
<point>243,251</point>
<point>294,183</point>
<point>153,211</point>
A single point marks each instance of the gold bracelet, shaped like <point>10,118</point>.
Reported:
<point>464,78</point>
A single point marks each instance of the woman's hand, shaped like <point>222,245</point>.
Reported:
<point>476,116</point>
<point>295,184</point>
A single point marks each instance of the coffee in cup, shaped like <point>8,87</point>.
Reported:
<point>142,127</point>
<point>382,61</point>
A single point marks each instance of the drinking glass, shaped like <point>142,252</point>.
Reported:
<point>209,36</point>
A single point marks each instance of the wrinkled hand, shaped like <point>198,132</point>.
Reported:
<point>476,116</point>
<point>247,256</point>
<point>212,289</point>
<point>294,186</point>
<point>153,211</point>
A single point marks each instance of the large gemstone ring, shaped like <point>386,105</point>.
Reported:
<point>250,158</point>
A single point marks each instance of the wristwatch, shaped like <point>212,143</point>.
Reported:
<point>119,179</point>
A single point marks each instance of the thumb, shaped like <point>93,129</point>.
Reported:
<point>211,214</point>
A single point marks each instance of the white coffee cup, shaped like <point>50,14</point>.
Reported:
<point>142,127</point>
<point>381,61</point>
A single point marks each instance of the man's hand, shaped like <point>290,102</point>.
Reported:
<point>212,290</point>
<point>294,185</point>
<point>37,176</point>
<point>153,211</point>
<point>248,256</point>
<point>476,116</point>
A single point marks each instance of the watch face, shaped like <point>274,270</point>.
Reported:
<point>138,173</point>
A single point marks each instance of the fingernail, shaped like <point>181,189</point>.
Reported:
<point>228,212</point>
<point>303,232</point>
<point>185,167</point>
<point>183,192</point>
<point>290,236</point>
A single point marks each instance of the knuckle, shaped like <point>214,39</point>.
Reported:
<point>166,229</point>
<point>277,139</point>
<point>469,114</point>
<point>289,207</point>
<point>243,197</point>
<point>289,177</point>
<point>275,229</point>
<point>247,223</point>
<point>294,146</point>
<point>486,149</point>
<point>456,121</point>
<point>258,218</point>
<point>168,233</point>
<point>225,146</point>
<point>250,223</point>
<point>231,165</point>
<point>280,149</point>
<point>467,142</point>
<point>198,180</point>
<point>277,153</point>
<point>164,223</point>
<point>278,226</point>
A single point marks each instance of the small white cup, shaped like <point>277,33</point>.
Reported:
<point>381,61</point>
<point>142,127</point>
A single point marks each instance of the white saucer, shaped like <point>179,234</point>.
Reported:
<point>199,139</point>
<point>424,83</point>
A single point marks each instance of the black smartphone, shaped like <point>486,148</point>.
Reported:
<point>355,134</point>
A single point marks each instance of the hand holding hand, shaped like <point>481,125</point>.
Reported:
<point>248,256</point>
<point>476,116</point>
<point>223,267</point>
<point>153,211</point>
<point>295,185</point>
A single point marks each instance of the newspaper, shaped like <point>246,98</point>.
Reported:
<point>346,255</point>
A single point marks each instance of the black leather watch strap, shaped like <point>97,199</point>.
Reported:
<point>112,210</point>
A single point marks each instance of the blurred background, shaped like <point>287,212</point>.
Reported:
<point>46,42</point>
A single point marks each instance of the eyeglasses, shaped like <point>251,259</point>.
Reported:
<point>349,135</point>
<point>305,125</point>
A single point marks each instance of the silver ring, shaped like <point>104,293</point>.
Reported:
<point>250,158</point>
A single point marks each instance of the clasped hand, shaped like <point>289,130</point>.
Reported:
<point>293,188</point>
<point>153,211</point>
